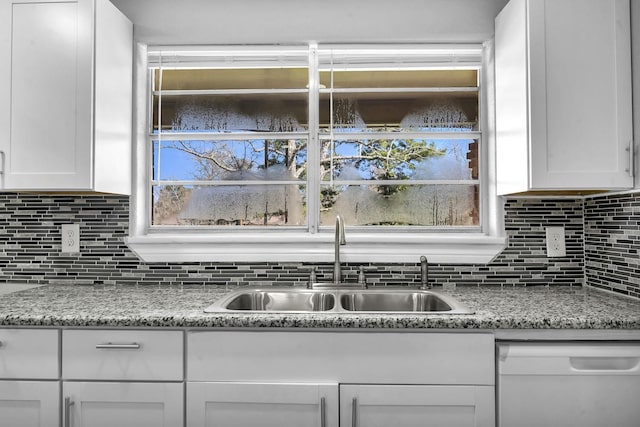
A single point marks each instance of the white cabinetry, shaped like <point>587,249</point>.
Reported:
<point>563,95</point>
<point>104,404</point>
<point>310,405</point>
<point>262,404</point>
<point>411,405</point>
<point>65,96</point>
<point>29,373</point>
<point>297,376</point>
<point>124,378</point>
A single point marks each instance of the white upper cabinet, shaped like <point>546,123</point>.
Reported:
<point>563,95</point>
<point>65,96</point>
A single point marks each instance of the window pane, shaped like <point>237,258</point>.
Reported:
<point>400,159</point>
<point>397,99</point>
<point>233,78</point>
<point>422,205</point>
<point>404,111</point>
<point>234,205</point>
<point>399,78</point>
<point>240,112</point>
<point>243,160</point>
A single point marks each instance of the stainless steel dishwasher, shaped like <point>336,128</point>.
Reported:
<point>558,384</point>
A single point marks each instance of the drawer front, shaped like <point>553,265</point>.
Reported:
<point>122,355</point>
<point>342,357</point>
<point>29,353</point>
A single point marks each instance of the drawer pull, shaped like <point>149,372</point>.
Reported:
<point>323,422</point>
<point>112,346</point>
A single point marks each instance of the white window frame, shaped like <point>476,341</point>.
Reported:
<point>195,245</point>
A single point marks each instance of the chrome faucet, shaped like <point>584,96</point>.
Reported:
<point>424,273</point>
<point>339,240</point>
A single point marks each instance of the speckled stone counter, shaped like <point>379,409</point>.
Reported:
<point>495,308</point>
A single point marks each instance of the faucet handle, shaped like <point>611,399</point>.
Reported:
<point>362,279</point>
<point>312,277</point>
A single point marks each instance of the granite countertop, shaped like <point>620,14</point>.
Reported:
<point>496,308</point>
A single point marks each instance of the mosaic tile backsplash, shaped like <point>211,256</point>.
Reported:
<point>612,239</point>
<point>601,238</point>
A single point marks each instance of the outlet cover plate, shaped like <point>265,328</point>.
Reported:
<point>556,242</point>
<point>70,238</point>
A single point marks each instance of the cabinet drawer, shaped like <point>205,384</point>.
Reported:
<point>29,353</point>
<point>122,355</point>
<point>341,357</point>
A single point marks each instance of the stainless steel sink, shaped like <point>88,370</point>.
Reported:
<point>338,300</point>
<point>289,300</point>
<point>395,301</point>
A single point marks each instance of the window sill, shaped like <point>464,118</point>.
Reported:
<point>302,247</point>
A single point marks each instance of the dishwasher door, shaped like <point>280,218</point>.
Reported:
<point>566,384</point>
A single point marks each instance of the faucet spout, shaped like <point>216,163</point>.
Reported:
<point>339,240</point>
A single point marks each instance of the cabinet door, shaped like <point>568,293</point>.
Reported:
<point>45,91</point>
<point>29,354</point>
<point>581,126</point>
<point>416,406</point>
<point>260,404</point>
<point>98,404</point>
<point>563,95</point>
<point>29,403</point>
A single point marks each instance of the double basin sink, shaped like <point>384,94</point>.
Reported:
<point>336,300</point>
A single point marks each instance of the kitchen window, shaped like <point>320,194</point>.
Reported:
<point>251,152</point>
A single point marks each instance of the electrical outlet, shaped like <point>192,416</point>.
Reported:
<point>555,242</point>
<point>70,238</point>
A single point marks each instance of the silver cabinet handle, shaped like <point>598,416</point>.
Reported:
<point>631,159</point>
<point>323,421</point>
<point>354,412</point>
<point>68,403</point>
<point>629,149</point>
<point>112,346</point>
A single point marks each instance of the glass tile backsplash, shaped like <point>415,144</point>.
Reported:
<point>602,236</point>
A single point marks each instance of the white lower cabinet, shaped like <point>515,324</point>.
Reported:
<point>345,379</point>
<point>122,378</point>
<point>226,404</point>
<point>416,405</point>
<point>282,378</point>
<point>261,404</point>
<point>105,404</point>
<point>29,378</point>
<point>29,403</point>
